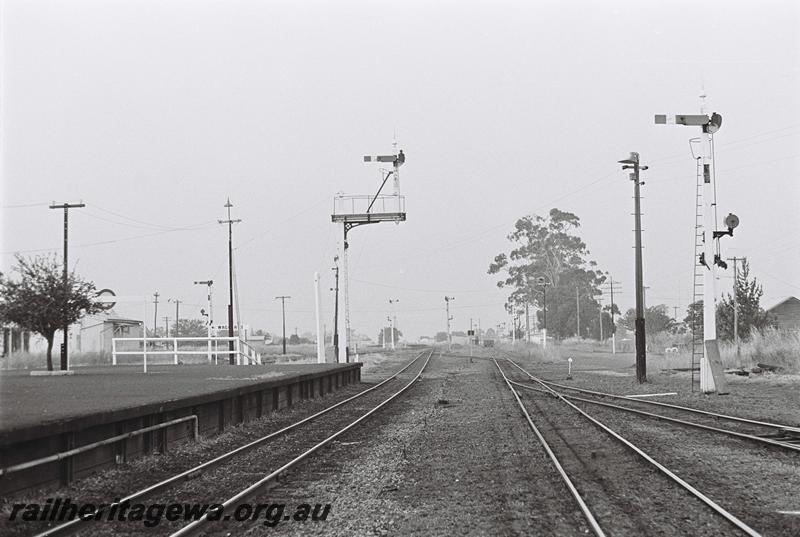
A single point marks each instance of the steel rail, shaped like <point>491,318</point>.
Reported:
<point>677,407</point>
<point>72,525</point>
<point>574,491</point>
<point>666,471</point>
<point>195,526</point>
<point>669,405</point>
<point>777,443</point>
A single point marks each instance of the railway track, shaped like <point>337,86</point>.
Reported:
<point>776,435</point>
<point>617,486</point>
<point>271,456</point>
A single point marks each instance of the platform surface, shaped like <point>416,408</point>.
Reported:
<point>31,401</point>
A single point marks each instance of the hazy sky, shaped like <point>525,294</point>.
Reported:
<point>153,113</point>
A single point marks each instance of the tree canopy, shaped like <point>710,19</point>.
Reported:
<point>387,334</point>
<point>548,248</point>
<point>751,316</point>
<point>656,320</point>
<point>40,302</point>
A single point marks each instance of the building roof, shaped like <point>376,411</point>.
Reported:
<point>790,299</point>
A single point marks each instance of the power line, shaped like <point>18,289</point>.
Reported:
<point>21,205</point>
<point>419,290</point>
<point>89,244</point>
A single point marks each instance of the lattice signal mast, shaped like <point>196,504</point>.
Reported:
<point>357,210</point>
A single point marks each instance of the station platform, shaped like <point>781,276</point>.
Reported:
<point>41,416</point>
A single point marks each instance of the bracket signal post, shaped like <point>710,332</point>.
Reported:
<point>357,210</point>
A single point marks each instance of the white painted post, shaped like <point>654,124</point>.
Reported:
<point>144,342</point>
<point>144,334</point>
<point>320,334</point>
<point>707,384</point>
<point>344,328</point>
<point>175,350</point>
<point>238,351</point>
<point>113,351</point>
<point>209,340</point>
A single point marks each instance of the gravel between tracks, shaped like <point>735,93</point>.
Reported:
<point>450,458</point>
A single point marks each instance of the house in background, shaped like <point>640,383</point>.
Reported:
<point>96,331</point>
<point>15,340</point>
<point>787,314</point>
<point>91,334</point>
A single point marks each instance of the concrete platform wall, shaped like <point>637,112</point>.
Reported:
<point>214,416</point>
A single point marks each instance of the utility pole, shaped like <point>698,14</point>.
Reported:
<point>712,375</point>
<point>336,309</point>
<point>527,323</point>
<point>736,301</point>
<point>600,301</point>
<point>177,314</point>
<point>543,283</point>
<point>613,324</point>
<point>166,326</point>
<point>513,326</point>
<point>577,314</point>
<point>393,303</point>
<point>66,207</point>
<point>632,162</point>
<point>155,313</point>
<point>447,300</point>
<point>230,222</point>
<point>283,298</point>
<point>320,326</point>
<point>210,322</point>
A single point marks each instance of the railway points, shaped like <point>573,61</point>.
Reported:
<point>614,501</point>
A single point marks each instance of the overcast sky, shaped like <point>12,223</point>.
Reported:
<point>153,113</point>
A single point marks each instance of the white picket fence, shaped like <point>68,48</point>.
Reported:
<point>163,346</point>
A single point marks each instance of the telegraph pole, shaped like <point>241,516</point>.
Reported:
<point>283,298</point>
<point>393,303</point>
<point>336,309</point>
<point>447,300</point>
<point>66,207</point>
<point>632,162</point>
<point>543,283</point>
<point>177,314</point>
<point>600,301</point>
<point>527,324</point>
<point>230,222</point>
<point>736,301</point>
<point>155,313</point>
<point>577,314</point>
<point>210,322</point>
<point>613,324</point>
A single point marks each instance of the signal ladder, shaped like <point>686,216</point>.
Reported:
<point>697,312</point>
